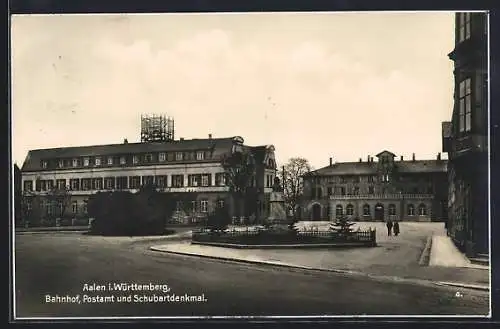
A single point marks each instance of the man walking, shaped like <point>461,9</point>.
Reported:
<point>396,228</point>
<point>389,227</point>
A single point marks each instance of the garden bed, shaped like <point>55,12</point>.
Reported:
<point>263,237</point>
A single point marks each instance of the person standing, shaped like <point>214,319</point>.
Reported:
<point>389,227</point>
<point>396,228</point>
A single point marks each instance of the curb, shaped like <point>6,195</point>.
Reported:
<point>284,246</point>
<point>344,272</point>
<point>425,257</point>
<point>464,285</point>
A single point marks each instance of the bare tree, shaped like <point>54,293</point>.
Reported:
<point>291,178</point>
<point>239,168</point>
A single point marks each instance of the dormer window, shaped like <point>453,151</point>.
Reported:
<point>148,157</point>
<point>97,161</point>
<point>123,160</point>
<point>60,164</point>
<point>162,157</point>
<point>75,162</point>
<point>44,164</point>
<point>179,156</point>
<point>110,161</point>
<point>135,159</point>
<point>200,155</point>
<point>86,162</point>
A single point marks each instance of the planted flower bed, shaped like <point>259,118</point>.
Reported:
<point>283,237</point>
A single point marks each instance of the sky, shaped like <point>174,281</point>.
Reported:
<point>314,85</point>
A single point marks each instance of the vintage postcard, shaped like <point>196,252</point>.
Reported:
<point>250,165</point>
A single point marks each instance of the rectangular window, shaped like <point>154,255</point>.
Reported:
<point>148,158</point>
<point>220,203</point>
<point>75,162</point>
<point>44,164</point>
<point>177,180</point>
<point>135,182</point>
<point>200,155</point>
<point>85,184</point>
<point>122,183</point>
<point>194,180</point>
<point>109,183</point>
<point>86,162</point>
<point>178,156</point>
<point>161,181</point>
<point>135,159</point>
<point>74,207</point>
<point>162,157</point>
<point>204,206</point>
<point>464,103</point>
<point>370,179</point>
<point>28,185</point>
<point>219,179</point>
<point>194,207</point>
<point>110,161</point>
<point>206,179</point>
<point>60,164</point>
<point>74,184</point>
<point>342,191</point>
<point>97,184</point>
<point>371,190</point>
<point>356,190</point>
<point>329,191</point>
<point>148,180</point>
<point>98,161</point>
<point>123,160</point>
<point>463,26</point>
<point>61,184</point>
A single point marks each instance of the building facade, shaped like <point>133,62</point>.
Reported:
<point>179,166</point>
<point>465,137</point>
<point>386,189</point>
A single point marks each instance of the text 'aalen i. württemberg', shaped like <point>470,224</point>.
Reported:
<point>121,292</point>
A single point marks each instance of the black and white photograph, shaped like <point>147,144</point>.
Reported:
<point>250,165</point>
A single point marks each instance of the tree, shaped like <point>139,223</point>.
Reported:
<point>239,168</point>
<point>291,178</point>
<point>60,197</point>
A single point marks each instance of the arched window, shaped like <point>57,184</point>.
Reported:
<point>422,210</point>
<point>392,210</point>
<point>349,210</point>
<point>411,210</point>
<point>366,210</point>
<point>339,211</point>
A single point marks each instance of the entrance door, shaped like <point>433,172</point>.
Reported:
<point>316,212</point>
<point>379,212</point>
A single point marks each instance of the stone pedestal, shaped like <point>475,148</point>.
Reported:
<point>277,211</point>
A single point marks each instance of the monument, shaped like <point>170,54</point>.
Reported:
<point>277,212</point>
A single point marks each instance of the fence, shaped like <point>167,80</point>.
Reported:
<point>261,236</point>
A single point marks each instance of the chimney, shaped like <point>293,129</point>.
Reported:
<point>209,136</point>
<point>413,157</point>
<point>360,160</point>
<point>125,141</point>
<point>368,158</point>
<point>439,156</point>
<point>181,139</point>
<point>331,162</point>
<point>371,159</point>
<point>401,158</point>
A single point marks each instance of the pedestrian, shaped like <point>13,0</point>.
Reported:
<point>389,227</point>
<point>396,228</point>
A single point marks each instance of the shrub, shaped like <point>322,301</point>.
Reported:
<point>125,213</point>
<point>219,219</point>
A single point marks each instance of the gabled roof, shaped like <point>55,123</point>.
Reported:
<point>370,168</point>
<point>219,146</point>
<point>385,152</point>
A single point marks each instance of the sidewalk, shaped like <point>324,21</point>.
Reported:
<point>445,253</point>
<point>394,258</point>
